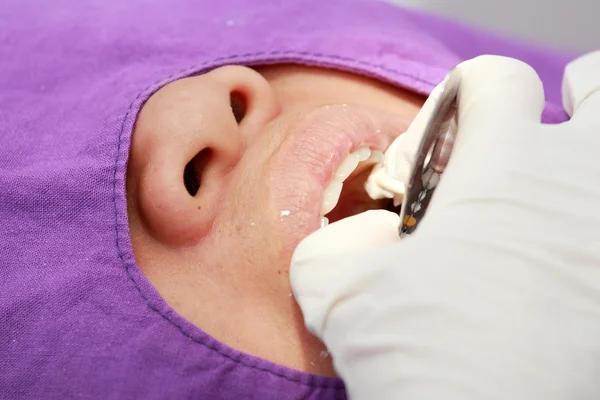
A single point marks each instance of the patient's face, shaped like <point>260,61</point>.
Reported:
<point>229,171</point>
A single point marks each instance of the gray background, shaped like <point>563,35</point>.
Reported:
<point>568,24</point>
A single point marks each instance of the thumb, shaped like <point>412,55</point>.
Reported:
<point>362,231</point>
<point>581,88</point>
<point>499,100</point>
<point>495,89</point>
<point>326,264</point>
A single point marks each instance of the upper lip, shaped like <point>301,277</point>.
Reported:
<point>325,137</point>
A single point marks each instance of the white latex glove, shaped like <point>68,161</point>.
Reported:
<point>387,180</point>
<point>497,293</point>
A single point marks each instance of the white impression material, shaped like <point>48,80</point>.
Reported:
<point>388,178</point>
<point>332,192</point>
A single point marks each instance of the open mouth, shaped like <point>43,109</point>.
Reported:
<point>345,195</point>
<point>333,150</point>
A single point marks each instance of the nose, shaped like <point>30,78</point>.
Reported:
<point>251,98</point>
<point>188,138</point>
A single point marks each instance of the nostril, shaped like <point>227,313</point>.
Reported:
<point>239,105</point>
<point>192,173</point>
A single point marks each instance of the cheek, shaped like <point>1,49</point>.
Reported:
<point>269,205</point>
<point>246,199</point>
<point>243,228</point>
<point>261,218</point>
<point>295,208</point>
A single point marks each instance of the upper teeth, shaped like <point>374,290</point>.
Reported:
<point>332,192</point>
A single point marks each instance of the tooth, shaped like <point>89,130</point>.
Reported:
<point>331,195</point>
<point>346,167</point>
<point>351,162</point>
<point>363,153</point>
<point>324,222</point>
<point>376,156</point>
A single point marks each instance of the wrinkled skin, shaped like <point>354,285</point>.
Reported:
<point>220,257</point>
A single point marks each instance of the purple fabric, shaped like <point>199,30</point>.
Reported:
<point>77,317</point>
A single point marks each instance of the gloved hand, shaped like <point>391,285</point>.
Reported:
<point>497,293</point>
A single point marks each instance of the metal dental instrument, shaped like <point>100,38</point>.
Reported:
<point>424,177</point>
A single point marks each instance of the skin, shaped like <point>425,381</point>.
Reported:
<point>220,257</point>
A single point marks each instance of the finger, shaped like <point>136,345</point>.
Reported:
<point>499,100</point>
<point>410,140</point>
<point>325,263</point>
<point>388,178</point>
<point>362,231</point>
<point>581,88</point>
<point>495,89</point>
